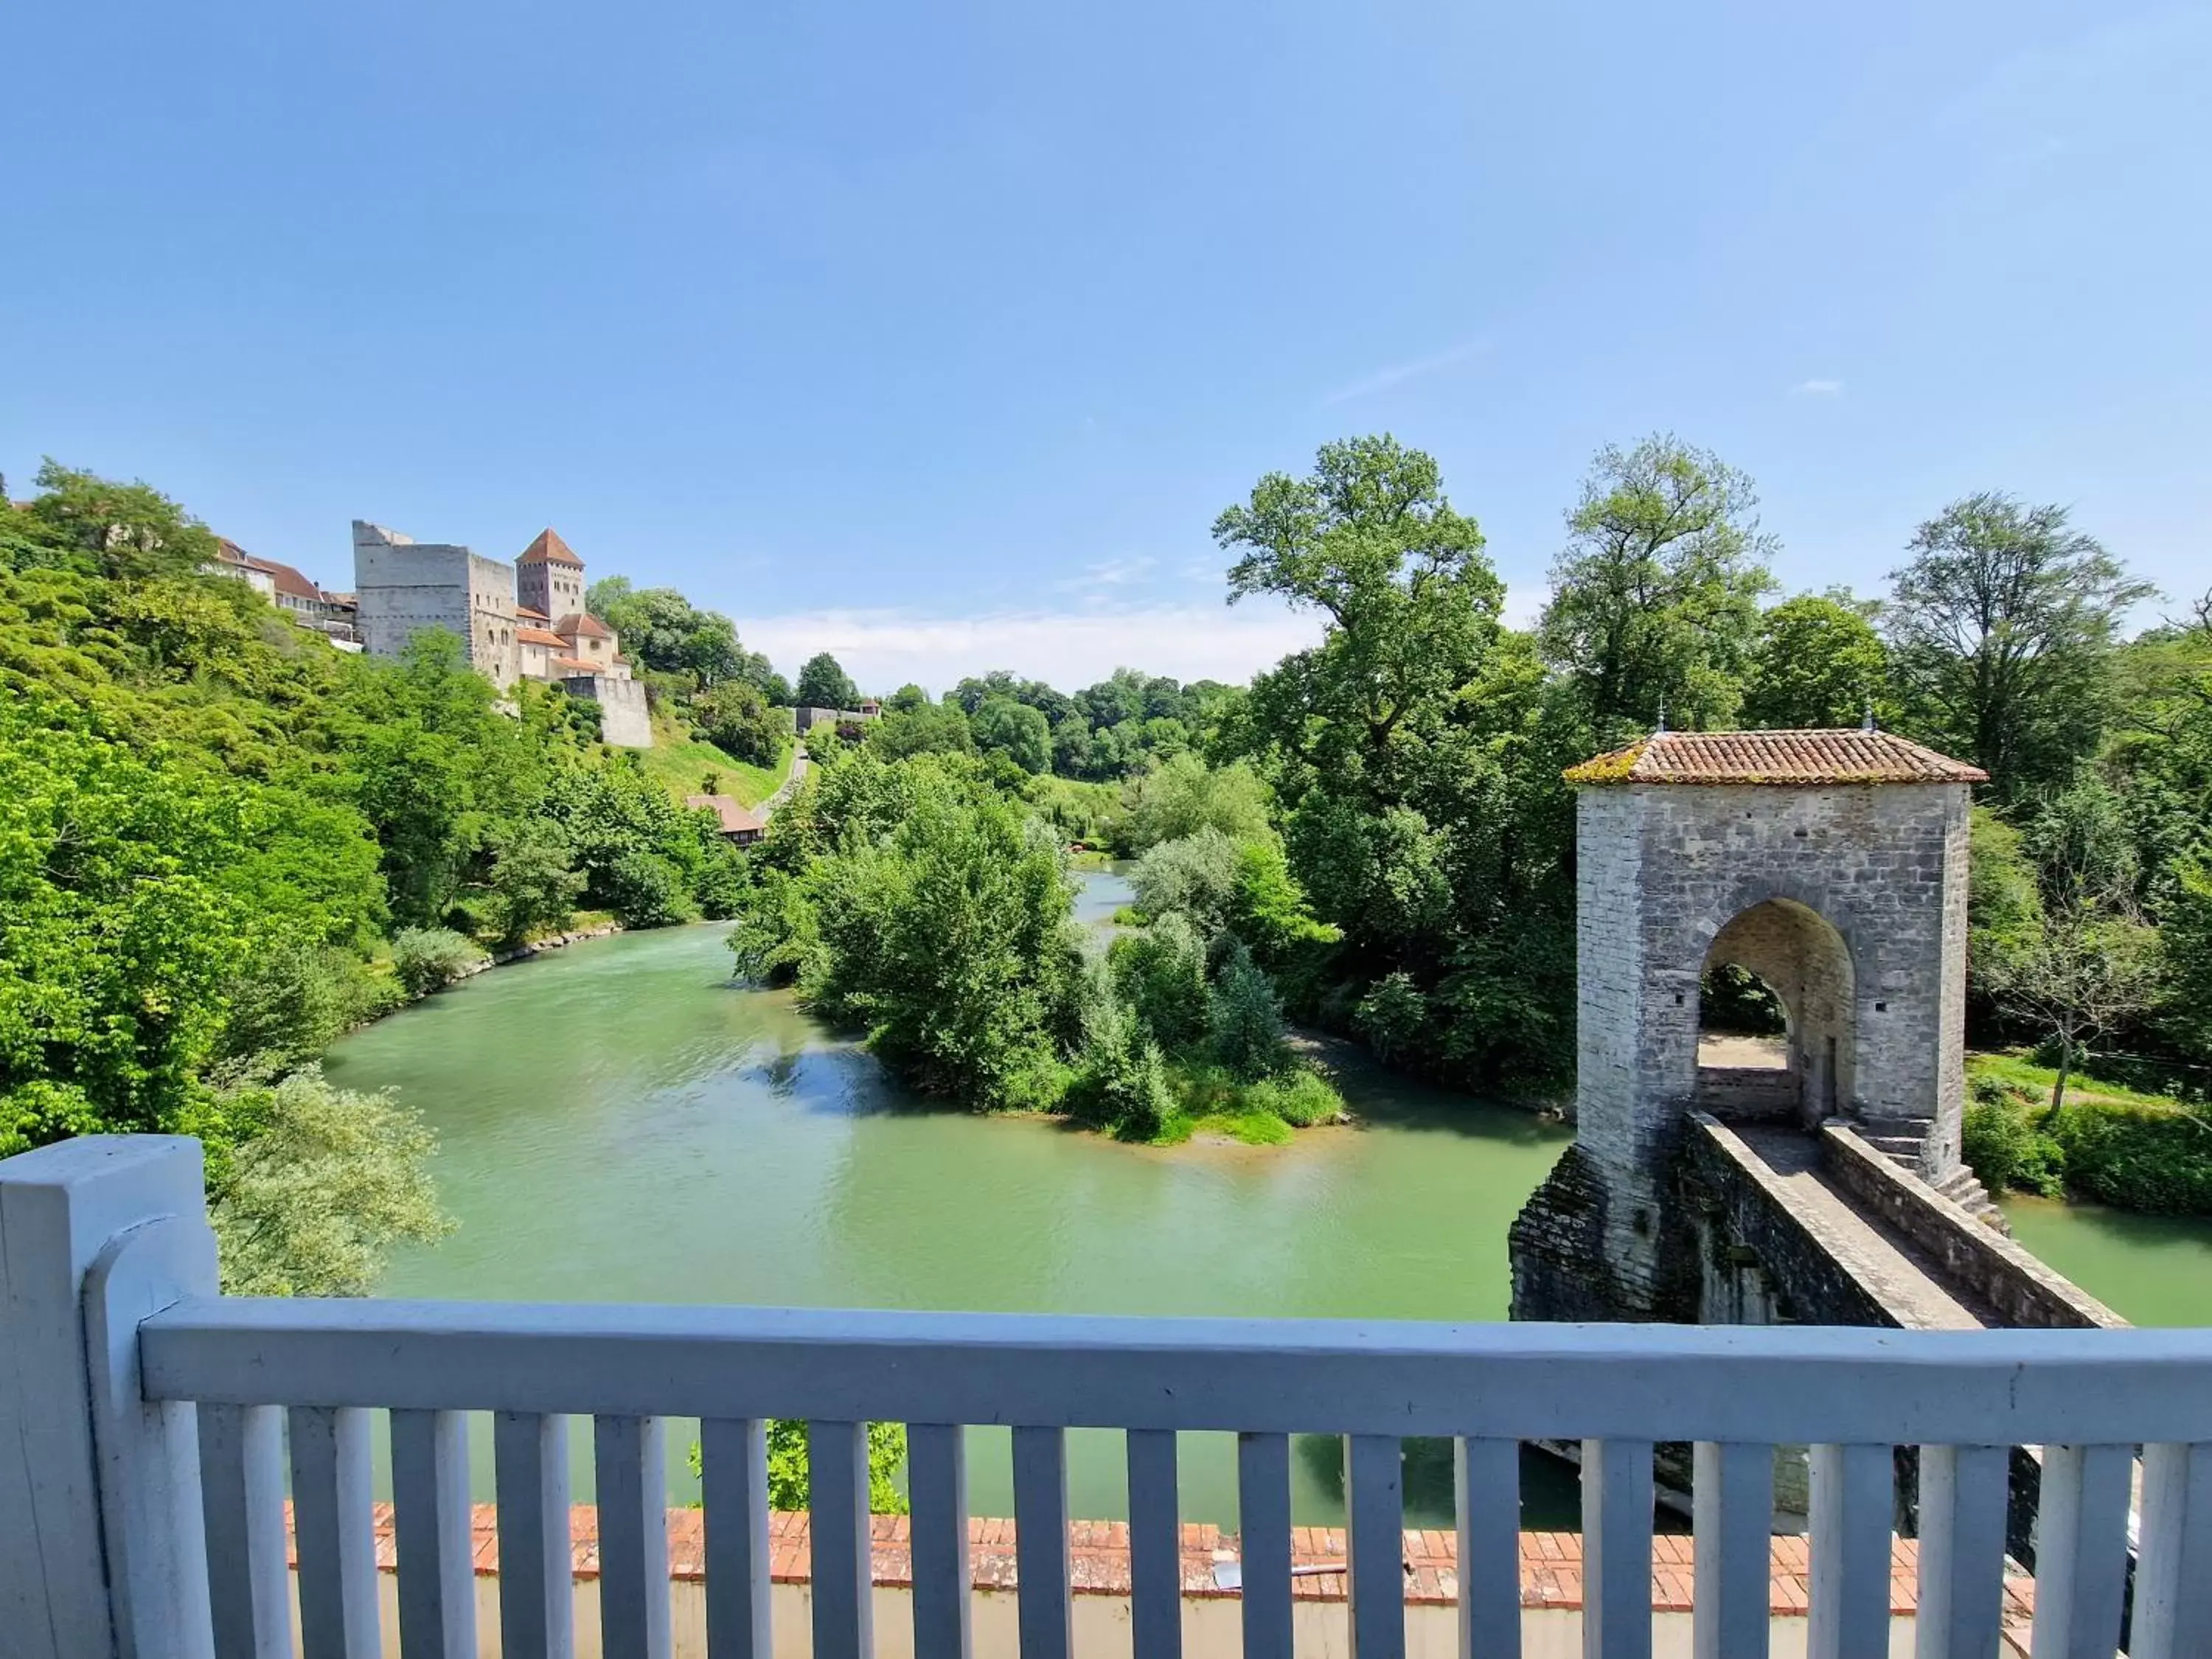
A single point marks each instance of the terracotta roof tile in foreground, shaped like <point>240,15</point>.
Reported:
<point>1551,1564</point>
<point>1846,755</point>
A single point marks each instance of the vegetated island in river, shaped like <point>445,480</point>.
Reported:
<point>920,900</point>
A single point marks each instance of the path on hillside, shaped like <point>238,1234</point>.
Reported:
<point>783,791</point>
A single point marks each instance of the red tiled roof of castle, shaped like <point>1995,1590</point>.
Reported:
<point>576,665</point>
<point>524,613</point>
<point>541,636</point>
<point>548,549</point>
<point>735,819</point>
<point>583,622</point>
<point>1846,756</point>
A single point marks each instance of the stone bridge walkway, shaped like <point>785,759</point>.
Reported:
<point>1913,1283</point>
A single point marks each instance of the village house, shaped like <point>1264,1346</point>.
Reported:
<point>739,824</point>
<point>289,591</point>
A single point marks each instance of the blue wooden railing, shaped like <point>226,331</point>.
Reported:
<point>150,1428</point>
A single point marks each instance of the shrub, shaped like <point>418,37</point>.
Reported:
<point>429,959</point>
<point>646,891</point>
<point>297,1000</point>
<point>1160,973</point>
<point>1121,1080</point>
<point>1392,1016</point>
<point>1300,1097</point>
<point>1244,1020</point>
<point>787,1475</point>
<point>2138,1156</point>
<point>1196,876</point>
<point>2002,1143</point>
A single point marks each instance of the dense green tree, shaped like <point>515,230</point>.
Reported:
<point>737,720</point>
<point>929,728</point>
<point>1001,726</point>
<point>666,632</point>
<point>939,924</point>
<point>105,528</point>
<point>1655,601</point>
<point>1816,661</point>
<point>534,883</point>
<point>824,684</point>
<point>1369,540</point>
<point>2003,623</point>
<point>906,699</point>
<point>1185,795</point>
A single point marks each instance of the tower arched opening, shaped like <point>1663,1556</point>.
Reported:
<point>1782,965</point>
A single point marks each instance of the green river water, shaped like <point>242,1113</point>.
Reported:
<point>620,1122</point>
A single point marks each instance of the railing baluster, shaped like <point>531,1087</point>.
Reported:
<point>837,1495</point>
<point>334,1532</point>
<point>537,1551</point>
<point>630,1461</point>
<point>1263,1523</point>
<point>1617,1549</point>
<point>1962,1546</point>
<point>1732,1505</point>
<point>431,1524</point>
<point>1852,1501</point>
<point>243,1501</point>
<point>937,1488</point>
<point>2082,1551</point>
<point>2173,1577</point>
<point>733,1489</point>
<point>1155,1545</point>
<point>1374,1523</point>
<point>1041,1564</point>
<point>1489,1500</point>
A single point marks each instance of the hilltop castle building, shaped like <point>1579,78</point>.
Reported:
<point>520,621</point>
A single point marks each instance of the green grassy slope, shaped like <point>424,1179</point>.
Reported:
<point>680,762</point>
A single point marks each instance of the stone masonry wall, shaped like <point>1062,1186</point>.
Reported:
<point>405,587</point>
<point>623,719</point>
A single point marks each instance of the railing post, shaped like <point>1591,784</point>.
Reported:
<point>104,1551</point>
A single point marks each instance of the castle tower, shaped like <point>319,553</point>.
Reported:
<point>549,577</point>
<point>1831,864</point>
<point>403,587</point>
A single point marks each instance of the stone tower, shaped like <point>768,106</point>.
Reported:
<point>549,577</point>
<point>1832,865</point>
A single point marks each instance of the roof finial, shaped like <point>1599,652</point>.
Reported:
<point>1866,721</point>
<point>1662,716</point>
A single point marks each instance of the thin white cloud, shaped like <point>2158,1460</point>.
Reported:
<point>885,649</point>
<point>1817,389</point>
<point>1398,374</point>
<point>1108,573</point>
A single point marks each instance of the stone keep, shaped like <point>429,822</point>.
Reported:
<point>1833,866</point>
<point>404,586</point>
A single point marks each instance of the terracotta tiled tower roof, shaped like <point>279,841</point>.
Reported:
<point>548,549</point>
<point>1847,755</point>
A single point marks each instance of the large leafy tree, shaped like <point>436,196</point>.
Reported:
<point>1655,600</point>
<point>1816,661</point>
<point>1003,726</point>
<point>2003,624</point>
<point>1368,539</point>
<point>823,683</point>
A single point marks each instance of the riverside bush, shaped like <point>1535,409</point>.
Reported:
<point>1301,1098</point>
<point>429,959</point>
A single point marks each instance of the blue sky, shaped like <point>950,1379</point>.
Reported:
<point>938,335</point>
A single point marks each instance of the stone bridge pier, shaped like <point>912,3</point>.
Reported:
<point>1832,865</point>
